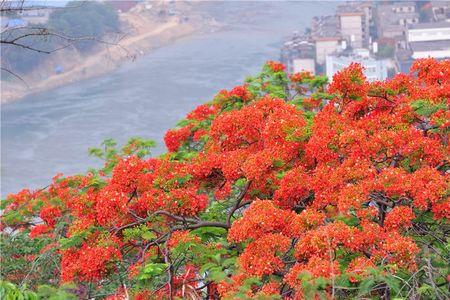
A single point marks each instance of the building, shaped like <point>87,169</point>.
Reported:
<point>303,59</point>
<point>39,15</point>
<point>441,10</point>
<point>429,40</point>
<point>392,20</point>
<point>373,69</point>
<point>326,36</point>
<point>298,54</point>
<point>403,60</point>
<point>435,49</point>
<point>352,25</point>
<point>369,21</point>
<point>427,32</point>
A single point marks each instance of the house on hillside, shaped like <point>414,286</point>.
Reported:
<point>441,10</point>
<point>429,39</point>
<point>392,20</point>
<point>356,21</point>
<point>326,36</point>
<point>36,16</point>
<point>298,54</point>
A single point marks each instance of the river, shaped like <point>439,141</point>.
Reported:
<point>50,132</point>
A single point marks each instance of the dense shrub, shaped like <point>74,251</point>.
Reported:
<point>279,188</point>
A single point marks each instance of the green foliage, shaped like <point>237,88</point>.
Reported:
<point>151,253</point>
<point>75,239</point>
<point>313,287</point>
<point>385,51</point>
<point>426,108</point>
<point>152,270</point>
<point>139,232</point>
<point>110,154</point>
<point>9,291</point>
<point>20,253</point>
<point>318,82</point>
<point>52,293</point>
<point>88,19</point>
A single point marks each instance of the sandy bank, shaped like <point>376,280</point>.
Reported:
<point>145,35</point>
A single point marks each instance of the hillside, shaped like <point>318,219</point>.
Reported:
<point>143,30</point>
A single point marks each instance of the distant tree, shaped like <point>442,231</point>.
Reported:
<point>386,51</point>
<point>425,9</point>
<point>92,19</point>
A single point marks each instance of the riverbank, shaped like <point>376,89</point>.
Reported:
<point>145,34</point>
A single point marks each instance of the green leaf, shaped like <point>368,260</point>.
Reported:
<point>217,274</point>
<point>366,286</point>
<point>425,289</point>
<point>73,241</point>
<point>148,235</point>
<point>426,108</point>
<point>154,269</point>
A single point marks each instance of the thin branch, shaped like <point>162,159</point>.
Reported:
<point>15,75</point>
<point>238,202</point>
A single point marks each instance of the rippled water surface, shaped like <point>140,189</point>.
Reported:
<point>50,132</point>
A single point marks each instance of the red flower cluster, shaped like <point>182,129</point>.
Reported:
<point>303,192</point>
<point>175,138</point>
<point>90,262</point>
<point>275,66</point>
<point>202,112</point>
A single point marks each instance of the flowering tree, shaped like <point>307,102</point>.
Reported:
<point>281,188</point>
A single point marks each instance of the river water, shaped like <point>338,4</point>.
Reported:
<point>50,132</point>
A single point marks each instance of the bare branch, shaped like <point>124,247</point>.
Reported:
<point>238,202</point>
<point>15,75</point>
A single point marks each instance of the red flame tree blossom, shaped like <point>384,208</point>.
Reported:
<point>282,188</point>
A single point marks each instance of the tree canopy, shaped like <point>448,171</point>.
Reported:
<point>86,19</point>
<point>283,188</point>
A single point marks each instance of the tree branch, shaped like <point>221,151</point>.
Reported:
<point>238,202</point>
<point>15,75</point>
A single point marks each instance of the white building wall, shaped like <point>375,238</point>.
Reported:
<point>434,54</point>
<point>352,26</point>
<point>323,48</point>
<point>429,34</point>
<point>304,64</point>
<point>374,69</point>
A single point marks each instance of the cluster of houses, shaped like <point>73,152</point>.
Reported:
<point>384,36</point>
<point>25,17</point>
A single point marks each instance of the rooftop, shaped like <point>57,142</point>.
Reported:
<point>389,20</point>
<point>430,25</point>
<point>430,46</point>
<point>349,9</point>
<point>440,3</point>
<point>402,4</point>
<point>355,54</point>
<point>386,13</point>
<point>325,27</point>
